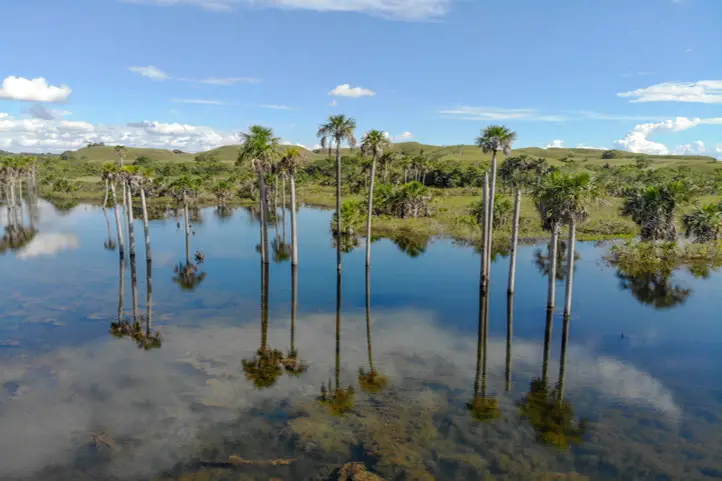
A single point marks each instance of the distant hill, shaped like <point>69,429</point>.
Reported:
<point>461,153</point>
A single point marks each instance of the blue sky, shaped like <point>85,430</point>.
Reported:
<point>435,71</point>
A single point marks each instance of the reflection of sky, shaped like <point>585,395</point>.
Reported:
<point>151,398</point>
<point>47,244</point>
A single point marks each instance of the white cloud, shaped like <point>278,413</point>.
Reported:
<point>637,140</point>
<point>718,148</point>
<point>277,107</point>
<point>582,146</point>
<point>704,91</point>
<point>37,135</point>
<point>288,142</point>
<point>151,72</point>
<point>696,147</point>
<point>3,115</point>
<point>404,136</point>
<point>35,90</point>
<point>410,10</point>
<point>200,102</point>
<point>345,90</point>
<point>556,144</point>
<point>495,113</point>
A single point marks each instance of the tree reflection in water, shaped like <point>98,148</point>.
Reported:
<point>370,381</point>
<point>482,407</point>
<point>656,289</point>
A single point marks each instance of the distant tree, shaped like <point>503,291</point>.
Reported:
<point>207,157</point>
<point>142,161</point>
<point>642,162</point>
<point>611,154</point>
<point>178,151</point>
<point>653,208</point>
<point>704,222</point>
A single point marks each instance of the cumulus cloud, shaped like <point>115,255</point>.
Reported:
<point>637,140</point>
<point>495,113</point>
<point>704,91</point>
<point>39,112</point>
<point>583,146</point>
<point>556,144</point>
<point>345,90</point>
<point>404,136</point>
<point>696,147</point>
<point>718,148</point>
<point>38,135</point>
<point>410,10</point>
<point>33,90</point>
<point>151,71</point>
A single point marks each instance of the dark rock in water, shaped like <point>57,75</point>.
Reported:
<point>354,472</point>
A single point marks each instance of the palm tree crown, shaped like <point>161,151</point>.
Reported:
<point>563,197</point>
<point>339,128</point>
<point>292,159</point>
<point>375,142</point>
<point>260,147</point>
<point>496,138</point>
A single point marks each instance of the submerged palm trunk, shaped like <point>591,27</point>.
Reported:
<point>370,211</point>
<point>547,346</point>
<point>131,229</point>
<point>570,268</point>
<point>188,233</point>
<point>368,319</point>
<point>553,247</point>
<point>264,218</point>
<point>509,336</point>
<point>283,206</point>
<point>117,221</point>
<point>480,379</point>
<point>294,232</point>
<point>275,198</point>
<point>264,307</point>
<point>121,289</point>
<point>563,359</point>
<point>338,203</point>
<point>514,242</point>
<point>107,223</point>
<point>133,282</point>
<point>148,266</point>
<point>294,306</point>
<point>145,224</point>
<point>105,200</point>
<point>338,321</point>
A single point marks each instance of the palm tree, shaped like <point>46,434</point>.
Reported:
<point>566,197</point>
<point>184,190</point>
<point>223,191</point>
<point>704,222</point>
<point>494,139</point>
<point>291,161</point>
<point>106,174</point>
<point>371,381</point>
<point>653,208</point>
<point>143,180</point>
<point>338,128</point>
<point>120,151</point>
<point>386,158</point>
<point>261,149</point>
<point>373,142</point>
<point>128,177</point>
<point>514,172</point>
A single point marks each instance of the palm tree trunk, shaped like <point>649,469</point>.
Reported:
<point>118,226</point>
<point>479,342</point>
<point>131,229</point>
<point>509,335</point>
<point>423,178</point>
<point>294,232</point>
<point>121,290</point>
<point>368,319</point>
<point>146,227</point>
<point>485,350</point>
<point>264,218</point>
<point>338,204</point>
<point>149,291</point>
<point>275,196</point>
<point>338,322</point>
<point>563,359</point>
<point>484,232</point>
<point>386,170</point>
<point>514,242</point>
<point>264,307</point>
<point>133,282</point>
<point>283,206</point>
<point>553,247</point>
<point>570,268</point>
<point>187,232</point>
<point>370,210</point>
<point>107,223</point>
<point>547,346</point>
<point>105,200</point>
<point>294,306</point>
<point>490,220</point>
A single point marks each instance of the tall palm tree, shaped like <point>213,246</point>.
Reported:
<point>292,159</point>
<point>128,177</point>
<point>374,142</point>
<point>653,208</point>
<point>120,151</point>
<point>339,129</point>
<point>386,159</point>
<point>371,381</point>
<point>143,180</point>
<point>262,150</point>
<point>494,139</point>
<point>106,174</point>
<point>184,190</point>
<point>514,172</point>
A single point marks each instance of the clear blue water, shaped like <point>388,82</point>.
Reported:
<point>78,403</point>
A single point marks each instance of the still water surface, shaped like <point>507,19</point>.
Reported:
<point>642,391</point>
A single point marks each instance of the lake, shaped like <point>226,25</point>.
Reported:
<point>450,396</point>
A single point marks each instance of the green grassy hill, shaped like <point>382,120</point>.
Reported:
<point>461,153</point>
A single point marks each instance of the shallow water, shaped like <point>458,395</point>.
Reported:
<point>642,372</point>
